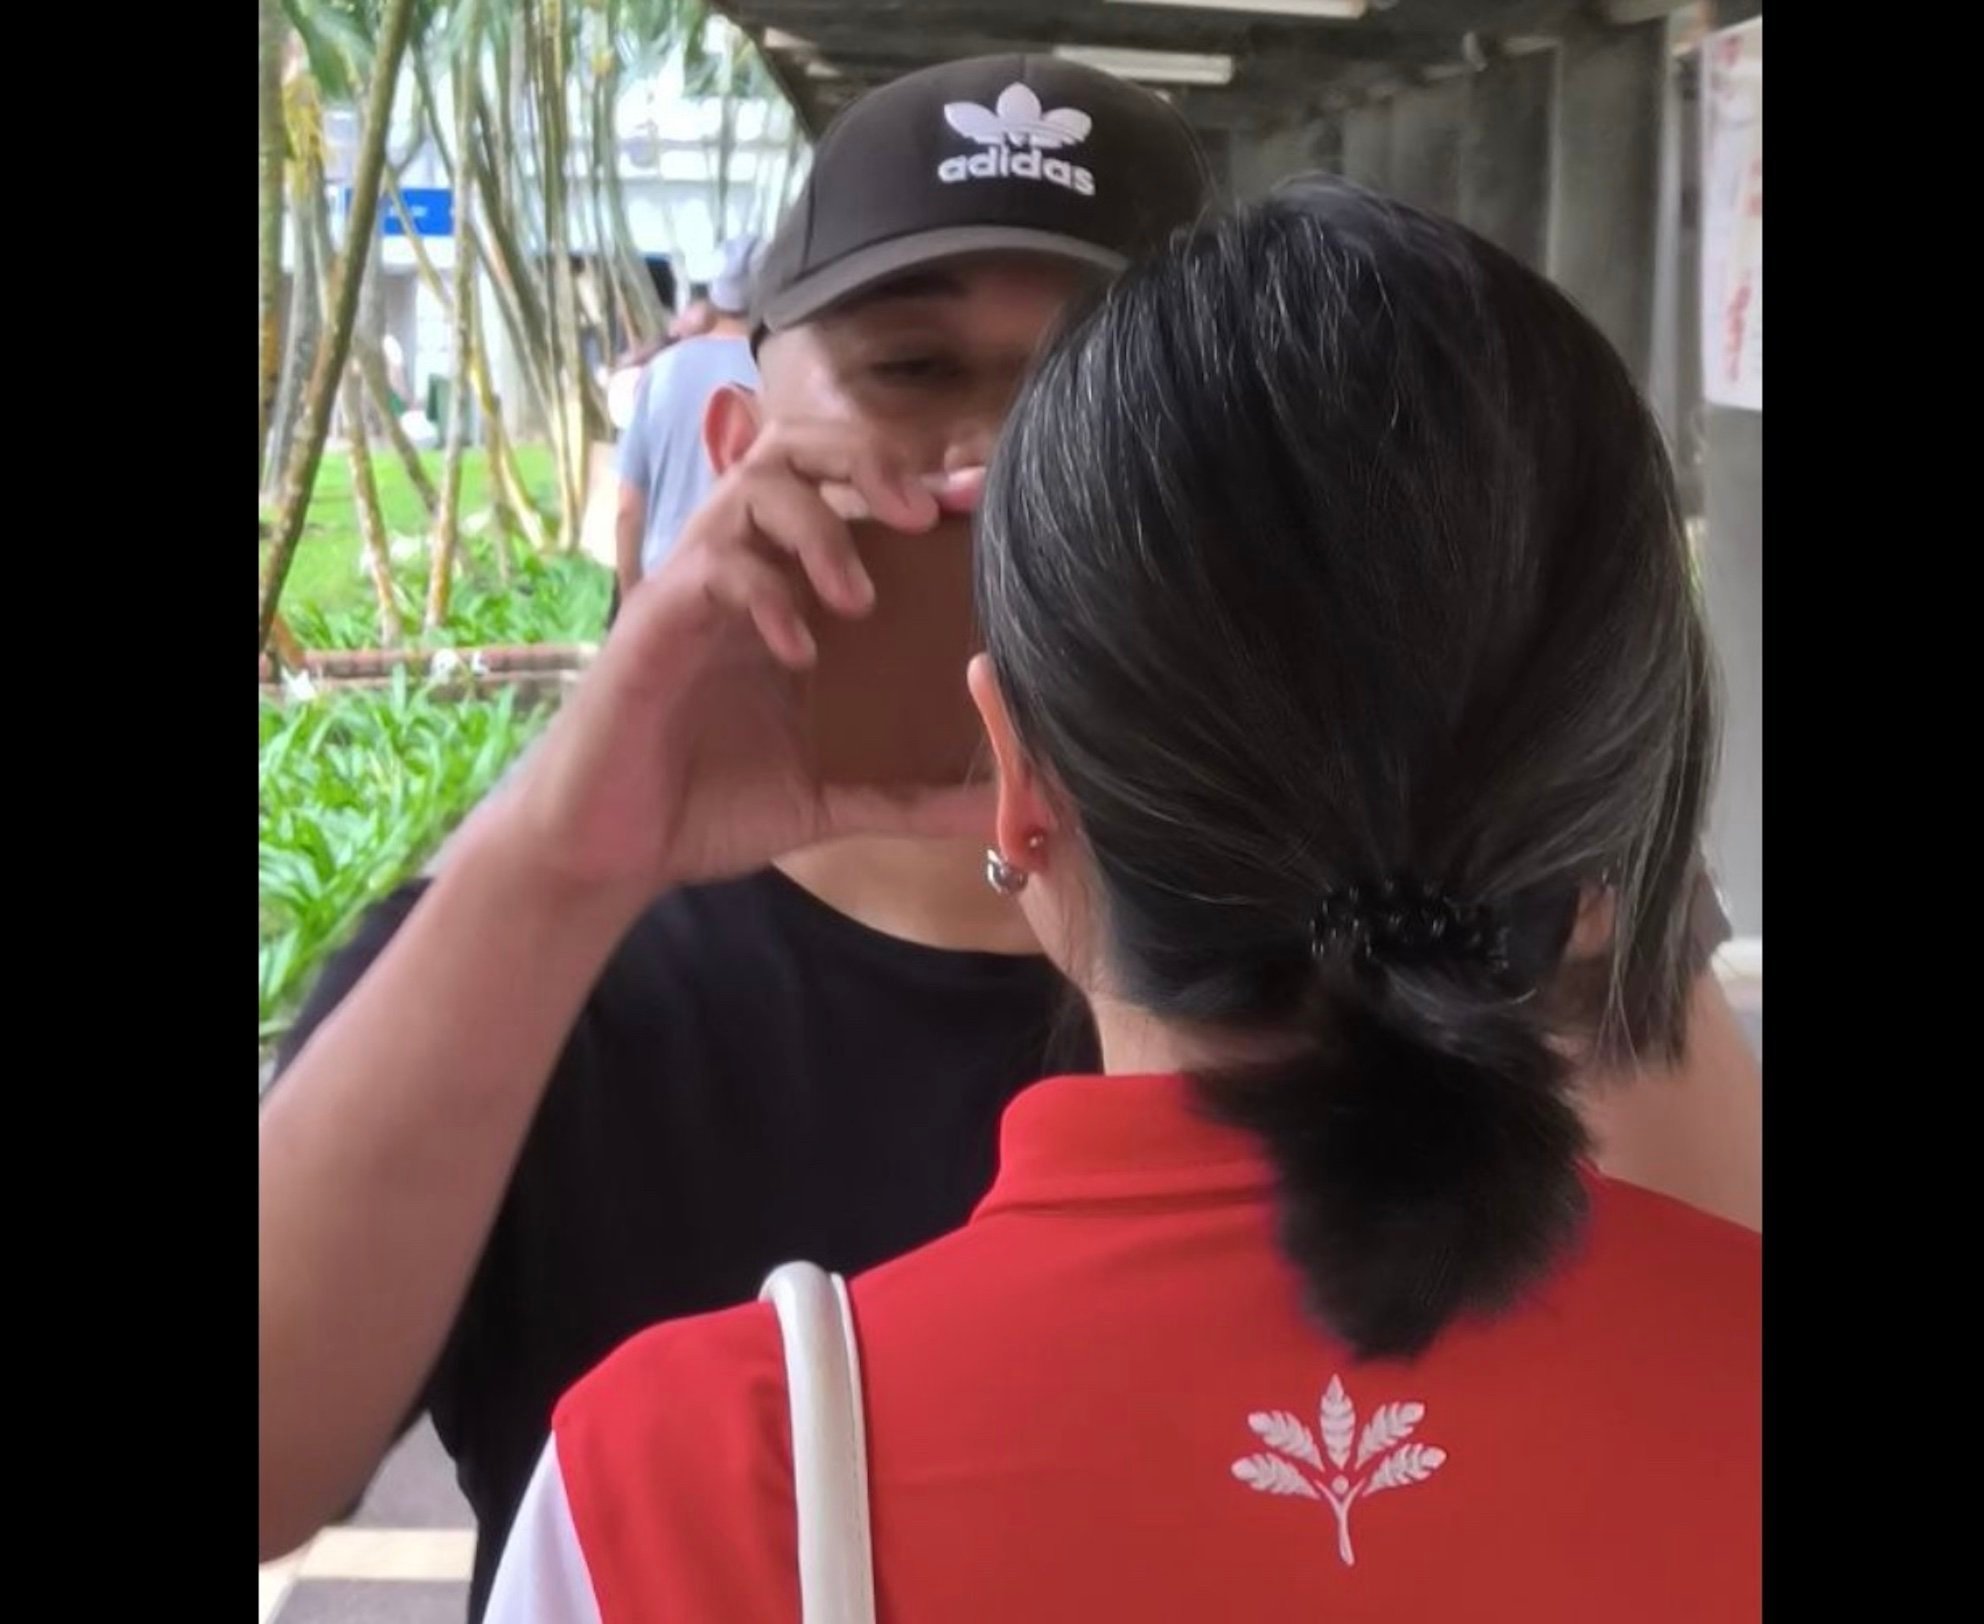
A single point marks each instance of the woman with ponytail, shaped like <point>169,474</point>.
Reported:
<point>1353,717</point>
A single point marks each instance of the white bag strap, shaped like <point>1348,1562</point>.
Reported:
<point>829,1444</point>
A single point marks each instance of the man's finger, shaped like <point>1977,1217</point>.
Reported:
<point>746,583</point>
<point>793,519</point>
<point>833,454</point>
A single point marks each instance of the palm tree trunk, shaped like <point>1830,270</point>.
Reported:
<point>470,171</point>
<point>441,573</point>
<point>300,476</point>
<point>371,362</point>
<point>514,510</point>
<point>269,287</point>
<point>509,267</point>
<point>284,647</point>
<point>371,517</point>
<point>370,359</point>
<point>544,25</point>
<point>376,543</point>
<point>636,311</point>
<point>609,274</point>
<point>304,326</point>
<point>506,483</point>
<point>646,301</point>
<point>423,263</point>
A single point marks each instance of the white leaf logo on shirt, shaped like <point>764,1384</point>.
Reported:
<point>1016,119</point>
<point>1402,1464</point>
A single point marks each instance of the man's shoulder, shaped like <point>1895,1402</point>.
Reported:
<point>701,364</point>
<point>683,937</point>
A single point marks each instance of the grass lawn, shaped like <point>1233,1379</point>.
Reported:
<point>328,573</point>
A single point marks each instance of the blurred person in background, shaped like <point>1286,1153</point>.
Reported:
<point>696,317</point>
<point>625,375</point>
<point>620,381</point>
<point>664,469</point>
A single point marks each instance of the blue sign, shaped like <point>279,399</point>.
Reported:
<point>432,209</point>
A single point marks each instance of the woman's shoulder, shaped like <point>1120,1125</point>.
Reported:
<point>675,1455</point>
<point>1659,1244</point>
<point>658,1381</point>
<point>1654,1282</point>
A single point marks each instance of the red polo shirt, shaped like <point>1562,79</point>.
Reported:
<point>1100,1400</point>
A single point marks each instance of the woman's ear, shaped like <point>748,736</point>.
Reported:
<point>730,425</point>
<point>1024,818</point>
<point>1591,932</point>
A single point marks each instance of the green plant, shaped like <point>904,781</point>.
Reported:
<point>357,791</point>
<point>329,572</point>
<point>562,599</point>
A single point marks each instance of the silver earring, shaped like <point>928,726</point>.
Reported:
<point>1008,879</point>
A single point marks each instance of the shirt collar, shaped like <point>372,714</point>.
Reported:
<point>1076,1140</point>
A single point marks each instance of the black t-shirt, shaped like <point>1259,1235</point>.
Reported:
<point>755,1079</point>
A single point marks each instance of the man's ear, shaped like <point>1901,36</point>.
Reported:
<point>731,423</point>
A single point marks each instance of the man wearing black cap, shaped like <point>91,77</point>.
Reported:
<point>539,1108</point>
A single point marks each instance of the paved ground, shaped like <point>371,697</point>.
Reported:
<point>404,1559</point>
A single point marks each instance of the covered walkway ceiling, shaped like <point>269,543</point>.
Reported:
<point>1237,64</point>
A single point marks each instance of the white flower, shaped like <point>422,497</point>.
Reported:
<point>299,686</point>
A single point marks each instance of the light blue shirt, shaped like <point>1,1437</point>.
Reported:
<point>661,454</point>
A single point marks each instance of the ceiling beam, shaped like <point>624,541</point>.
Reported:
<point>1283,69</point>
<point>949,25</point>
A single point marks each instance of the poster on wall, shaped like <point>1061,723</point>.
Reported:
<point>1733,216</point>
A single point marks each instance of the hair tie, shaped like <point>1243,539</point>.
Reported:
<point>1404,922</point>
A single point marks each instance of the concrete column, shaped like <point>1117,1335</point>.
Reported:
<point>1505,155</point>
<point>1427,125</point>
<point>1259,160</point>
<point>1674,375</point>
<point>1605,178</point>
<point>1733,575</point>
<point>1733,581</point>
<point>1367,145</point>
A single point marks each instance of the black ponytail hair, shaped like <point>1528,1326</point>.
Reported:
<point>1331,571</point>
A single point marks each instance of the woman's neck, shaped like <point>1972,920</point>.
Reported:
<point>1136,1043</point>
<point>930,892</point>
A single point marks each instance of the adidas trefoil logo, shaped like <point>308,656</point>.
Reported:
<point>1016,134</point>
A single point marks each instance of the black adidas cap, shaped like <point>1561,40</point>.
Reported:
<point>995,152</point>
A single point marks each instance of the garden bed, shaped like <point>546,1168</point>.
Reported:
<point>357,790</point>
<point>371,757</point>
